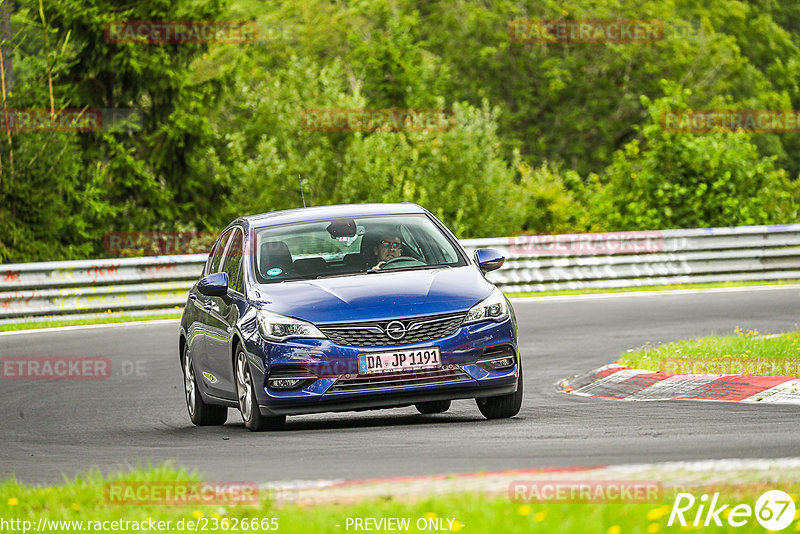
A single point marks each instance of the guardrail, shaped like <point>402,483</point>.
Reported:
<point>68,287</point>
<point>629,259</point>
<point>534,263</point>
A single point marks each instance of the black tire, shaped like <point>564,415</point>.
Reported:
<point>502,406</point>
<point>200,413</point>
<point>433,406</point>
<point>248,405</point>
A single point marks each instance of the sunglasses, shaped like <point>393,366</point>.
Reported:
<point>393,244</point>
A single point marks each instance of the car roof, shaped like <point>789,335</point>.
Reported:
<point>321,213</point>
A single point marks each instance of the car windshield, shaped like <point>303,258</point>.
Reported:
<point>347,246</point>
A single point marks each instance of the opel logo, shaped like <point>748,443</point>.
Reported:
<point>395,330</point>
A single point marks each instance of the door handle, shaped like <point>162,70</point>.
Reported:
<point>192,296</point>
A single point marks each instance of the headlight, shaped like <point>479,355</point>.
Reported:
<point>280,328</point>
<point>492,308</point>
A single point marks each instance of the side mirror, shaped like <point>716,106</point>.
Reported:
<point>489,259</point>
<point>214,285</point>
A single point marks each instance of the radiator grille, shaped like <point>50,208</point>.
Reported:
<point>377,334</point>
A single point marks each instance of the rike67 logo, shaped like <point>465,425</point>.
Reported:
<point>774,510</point>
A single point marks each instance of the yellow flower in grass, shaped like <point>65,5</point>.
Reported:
<point>76,507</point>
<point>456,526</point>
<point>197,514</point>
<point>430,515</point>
<point>524,510</point>
<point>539,516</point>
<point>658,513</point>
<point>614,530</point>
<point>13,501</point>
<point>652,528</point>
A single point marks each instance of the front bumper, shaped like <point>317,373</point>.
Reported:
<point>336,385</point>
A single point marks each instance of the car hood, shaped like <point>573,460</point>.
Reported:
<point>374,297</point>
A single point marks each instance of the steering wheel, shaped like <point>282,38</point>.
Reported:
<point>398,259</point>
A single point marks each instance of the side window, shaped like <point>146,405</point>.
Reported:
<point>216,254</point>
<point>233,262</point>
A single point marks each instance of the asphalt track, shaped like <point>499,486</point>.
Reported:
<point>52,428</point>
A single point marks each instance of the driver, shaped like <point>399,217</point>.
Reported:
<point>387,248</point>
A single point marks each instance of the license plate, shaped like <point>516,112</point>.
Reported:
<point>399,360</point>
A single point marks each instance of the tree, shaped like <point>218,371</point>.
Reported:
<point>689,180</point>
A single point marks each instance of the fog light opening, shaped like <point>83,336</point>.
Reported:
<point>498,364</point>
<point>287,378</point>
<point>284,383</point>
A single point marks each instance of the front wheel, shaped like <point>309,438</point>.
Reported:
<point>200,413</point>
<point>248,405</point>
<point>502,406</point>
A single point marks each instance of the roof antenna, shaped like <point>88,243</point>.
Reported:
<point>302,196</point>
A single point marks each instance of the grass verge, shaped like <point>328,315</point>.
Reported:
<point>591,291</point>
<point>745,352</point>
<point>109,318</point>
<point>86,503</point>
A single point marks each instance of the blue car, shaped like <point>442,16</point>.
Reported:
<point>350,307</point>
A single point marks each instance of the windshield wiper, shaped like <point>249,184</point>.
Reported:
<point>334,275</point>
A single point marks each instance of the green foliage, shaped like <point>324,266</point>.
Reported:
<point>551,201</point>
<point>671,180</point>
<point>459,174</point>
<point>547,137</point>
<point>61,191</point>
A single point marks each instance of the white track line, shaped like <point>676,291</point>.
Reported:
<point>661,292</point>
<point>88,326</point>
<point>680,474</point>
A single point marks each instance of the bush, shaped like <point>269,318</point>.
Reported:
<point>687,180</point>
